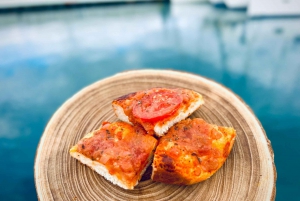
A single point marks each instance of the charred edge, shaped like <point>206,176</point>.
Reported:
<point>127,96</point>
<point>197,157</point>
<point>167,163</point>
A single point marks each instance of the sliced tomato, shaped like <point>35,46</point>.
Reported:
<point>157,104</point>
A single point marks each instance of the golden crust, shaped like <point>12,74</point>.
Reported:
<point>191,151</point>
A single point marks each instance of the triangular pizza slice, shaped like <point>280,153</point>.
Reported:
<point>157,109</point>
<point>118,151</point>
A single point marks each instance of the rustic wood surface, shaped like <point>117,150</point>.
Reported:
<point>248,174</point>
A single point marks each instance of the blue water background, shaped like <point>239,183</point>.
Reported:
<point>46,56</point>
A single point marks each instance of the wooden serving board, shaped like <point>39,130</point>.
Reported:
<point>248,174</point>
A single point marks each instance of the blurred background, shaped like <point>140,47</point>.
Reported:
<point>50,49</point>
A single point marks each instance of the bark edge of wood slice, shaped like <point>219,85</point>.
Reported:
<point>249,173</point>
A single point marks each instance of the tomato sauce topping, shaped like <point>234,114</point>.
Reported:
<point>121,147</point>
<point>188,146</point>
<point>156,104</point>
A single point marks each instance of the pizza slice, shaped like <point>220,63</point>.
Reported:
<point>157,109</point>
<point>118,151</point>
<point>192,151</point>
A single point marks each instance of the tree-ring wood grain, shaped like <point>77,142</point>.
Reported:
<point>248,174</point>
